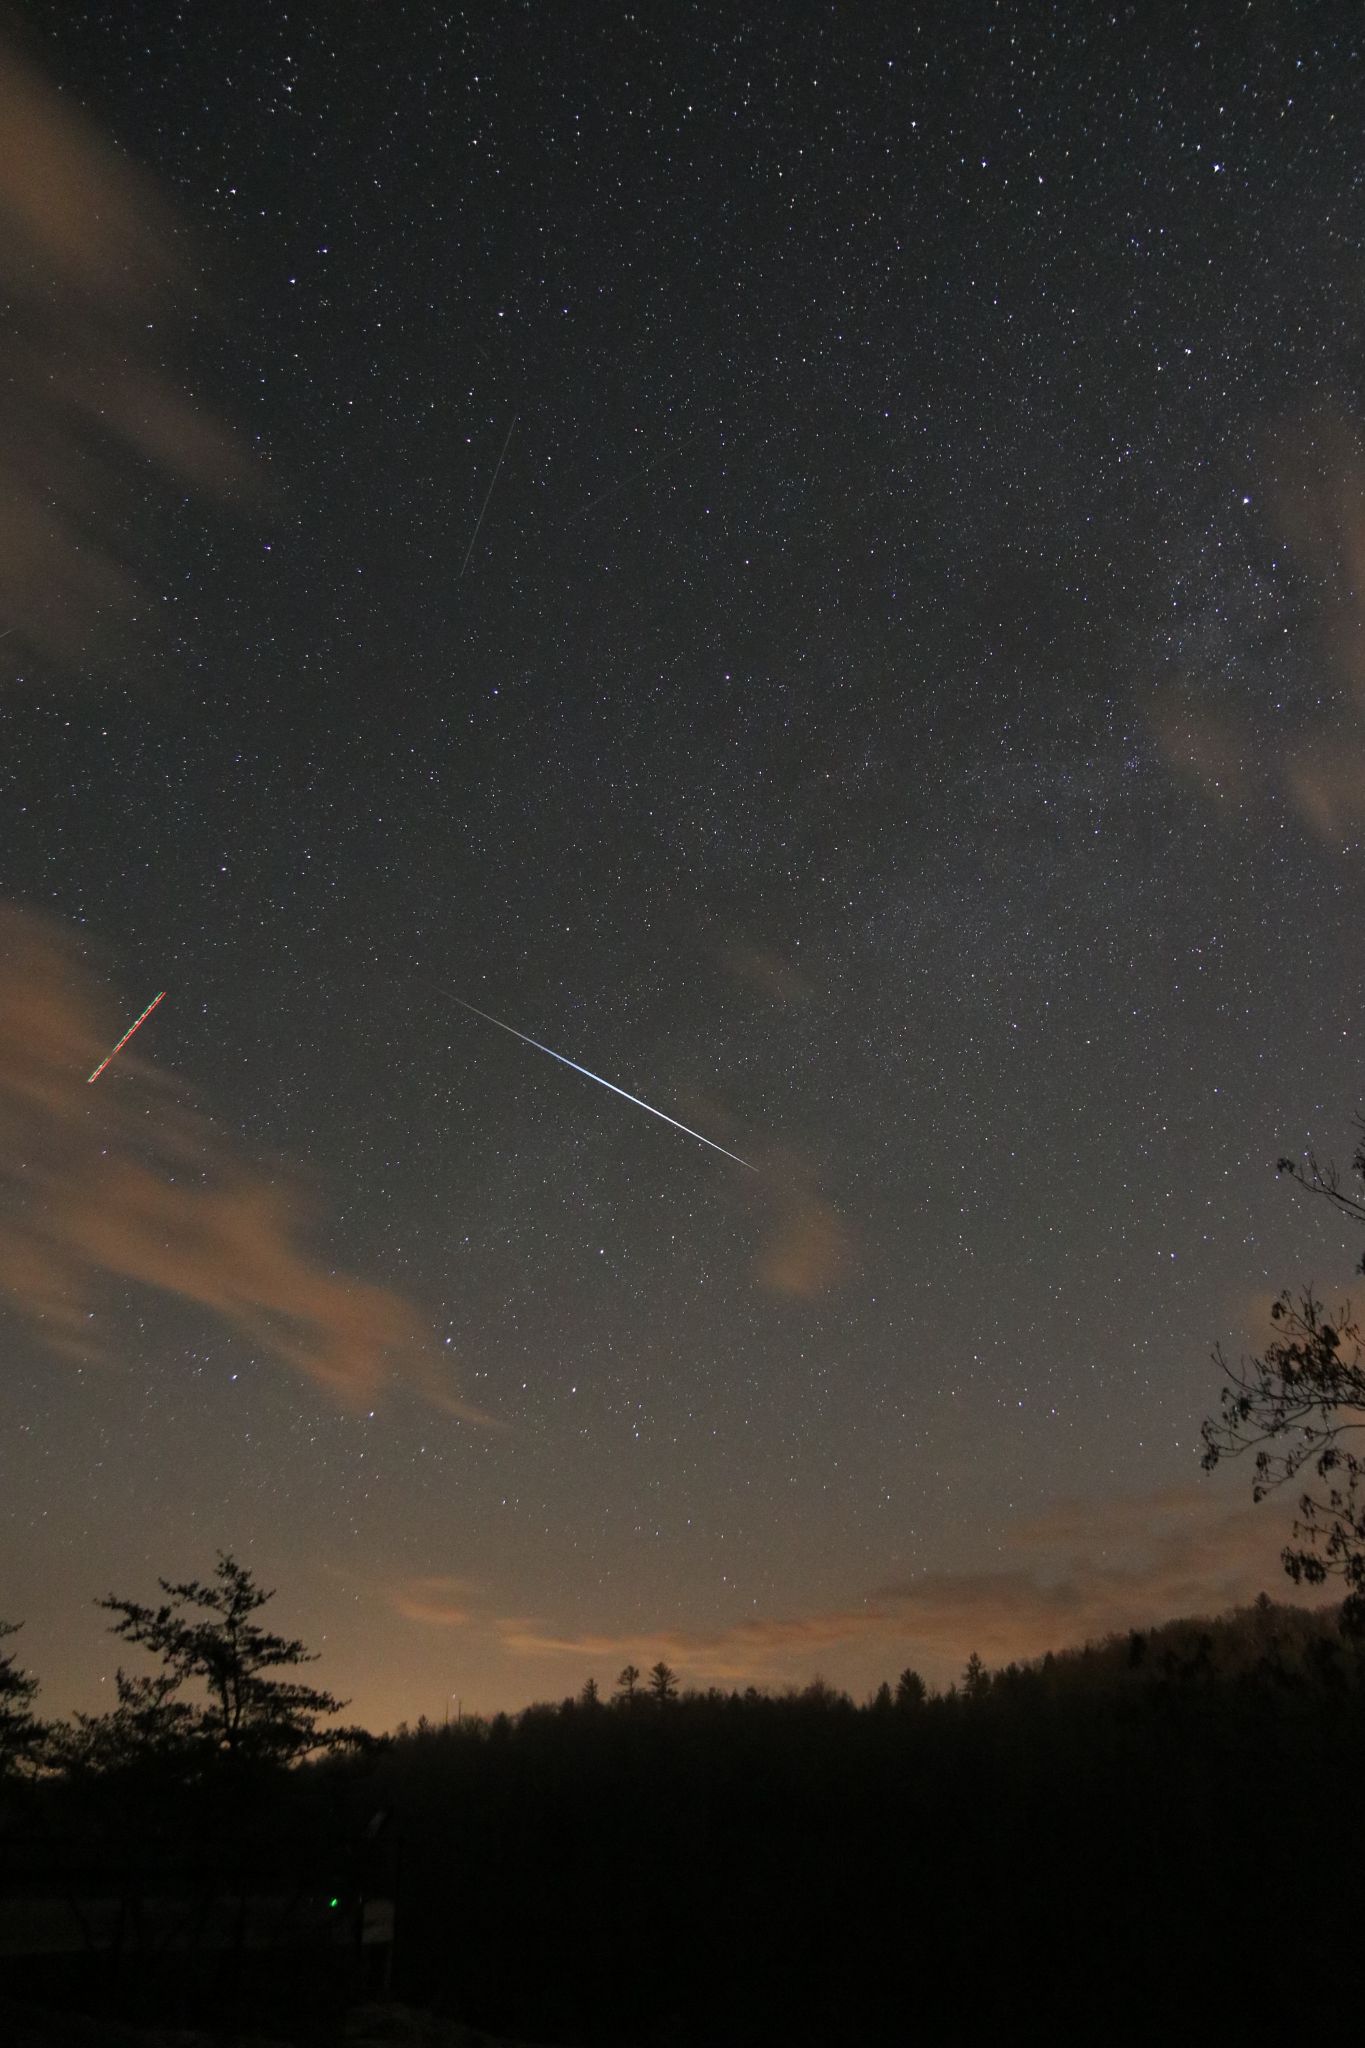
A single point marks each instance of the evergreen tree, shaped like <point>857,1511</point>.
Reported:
<point>910,1690</point>
<point>21,1734</point>
<point>627,1682</point>
<point>663,1684</point>
<point>206,1633</point>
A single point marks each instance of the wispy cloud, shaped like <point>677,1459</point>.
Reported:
<point>123,1181</point>
<point>1315,486</point>
<point>1077,1573</point>
<point>807,1248</point>
<point>437,1601</point>
<point>766,972</point>
<point>92,275</point>
<point>803,1246</point>
<point>1205,747</point>
<point>747,1651</point>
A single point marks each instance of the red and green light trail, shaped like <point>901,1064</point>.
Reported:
<point>126,1036</point>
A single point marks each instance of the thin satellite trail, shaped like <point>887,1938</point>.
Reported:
<point>487,495</point>
<point>124,1040</point>
<point>624,1093</point>
<point>635,474</point>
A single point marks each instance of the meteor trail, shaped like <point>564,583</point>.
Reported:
<point>124,1040</point>
<point>488,1019</point>
<point>487,495</point>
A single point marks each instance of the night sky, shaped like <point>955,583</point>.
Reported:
<point>902,714</point>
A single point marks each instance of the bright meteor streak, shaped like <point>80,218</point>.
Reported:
<point>593,1077</point>
<point>124,1040</point>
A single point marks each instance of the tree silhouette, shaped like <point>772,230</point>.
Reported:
<point>663,1683</point>
<point>589,1697</point>
<point>1306,1392</point>
<point>976,1682</point>
<point>21,1733</point>
<point>151,1731</point>
<point>206,1632</point>
<point>627,1682</point>
<point>910,1689</point>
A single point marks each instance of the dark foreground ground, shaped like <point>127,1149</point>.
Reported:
<point>370,2026</point>
<point>1154,1837</point>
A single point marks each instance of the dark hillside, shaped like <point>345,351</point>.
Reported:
<point>1110,1842</point>
<point>1093,1835</point>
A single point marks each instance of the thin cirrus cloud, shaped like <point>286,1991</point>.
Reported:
<point>438,1602</point>
<point>92,275</point>
<point>1074,1575</point>
<point>748,1651</point>
<point>806,1248</point>
<point>764,971</point>
<point>802,1246</point>
<point>122,1182</point>
<point>1315,489</point>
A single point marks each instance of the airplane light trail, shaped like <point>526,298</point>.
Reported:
<point>124,1040</point>
<point>489,1019</point>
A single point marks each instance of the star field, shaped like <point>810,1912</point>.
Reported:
<point>901,715</point>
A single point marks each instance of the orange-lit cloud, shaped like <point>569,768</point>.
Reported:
<point>807,1251</point>
<point>1326,778</point>
<point>437,1601</point>
<point>750,1650</point>
<point>122,1181</point>
<point>804,1247</point>
<point>1079,1573</point>
<point>807,1247</point>
<point>91,275</point>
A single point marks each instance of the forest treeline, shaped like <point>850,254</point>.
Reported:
<point>1105,1840</point>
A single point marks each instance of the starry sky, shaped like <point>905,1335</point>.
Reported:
<point>807,558</point>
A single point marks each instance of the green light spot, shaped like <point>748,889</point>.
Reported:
<point>334,1902</point>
